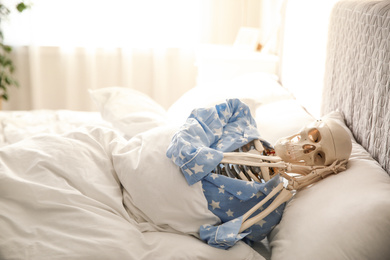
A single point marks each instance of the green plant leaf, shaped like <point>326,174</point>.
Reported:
<point>21,7</point>
<point>5,61</point>
<point>7,48</point>
<point>8,80</point>
<point>6,64</point>
<point>2,85</point>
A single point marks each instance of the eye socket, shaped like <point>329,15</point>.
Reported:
<point>314,135</point>
<point>319,158</point>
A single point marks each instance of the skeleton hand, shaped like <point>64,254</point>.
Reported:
<point>316,173</point>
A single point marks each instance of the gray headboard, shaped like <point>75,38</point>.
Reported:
<point>357,73</point>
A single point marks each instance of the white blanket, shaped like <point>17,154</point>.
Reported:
<point>61,197</point>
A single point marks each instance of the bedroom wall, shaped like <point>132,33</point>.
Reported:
<point>56,65</point>
<point>304,50</point>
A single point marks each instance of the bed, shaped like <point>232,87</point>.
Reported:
<point>98,185</point>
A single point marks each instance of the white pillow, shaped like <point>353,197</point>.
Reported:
<point>155,186</point>
<point>280,119</point>
<point>344,216</point>
<point>128,110</point>
<point>253,89</point>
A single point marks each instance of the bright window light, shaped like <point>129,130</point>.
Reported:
<point>102,23</point>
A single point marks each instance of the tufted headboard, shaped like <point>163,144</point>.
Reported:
<point>357,73</point>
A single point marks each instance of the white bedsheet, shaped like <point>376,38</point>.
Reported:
<point>17,125</point>
<point>90,185</point>
<point>61,198</point>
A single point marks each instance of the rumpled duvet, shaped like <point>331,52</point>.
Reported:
<point>91,194</point>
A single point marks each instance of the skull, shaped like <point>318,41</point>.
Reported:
<point>320,143</point>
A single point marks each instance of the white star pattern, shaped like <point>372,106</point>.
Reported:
<point>231,198</point>
<point>243,139</point>
<point>214,176</point>
<point>215,205</point>
<point>197,168</point>
<point>225,113</point>
<point>261,222</point>
<point>230,235</point>
<point>250,183</point>
<point>229,213</point>
<point>218,131</point>
<point>209,156</point>
<point>239,193</point>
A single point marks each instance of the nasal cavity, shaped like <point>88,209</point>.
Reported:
<point>308,148</point>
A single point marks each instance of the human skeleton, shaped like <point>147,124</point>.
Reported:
<point>317,151</point>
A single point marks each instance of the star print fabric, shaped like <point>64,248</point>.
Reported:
<point>230,198</point>
<point>223,236</point>
<point>198,147</point>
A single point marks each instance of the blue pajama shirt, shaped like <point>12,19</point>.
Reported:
<point>198,147</point>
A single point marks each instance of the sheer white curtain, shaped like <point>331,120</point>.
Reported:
<point>62,48</point>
